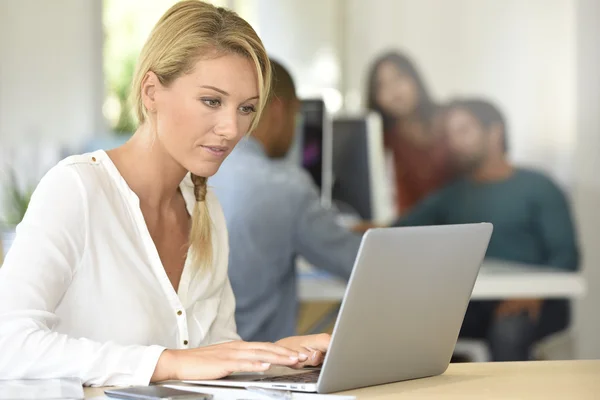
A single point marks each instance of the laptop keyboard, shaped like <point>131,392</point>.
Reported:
<point>306,377</point>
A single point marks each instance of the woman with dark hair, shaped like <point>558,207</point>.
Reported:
<point>412,130</point>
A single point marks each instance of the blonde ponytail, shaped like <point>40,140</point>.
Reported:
<point>200,234</point>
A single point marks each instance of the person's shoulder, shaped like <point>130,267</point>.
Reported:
<point>534,176</point>
<point>292,177</point>
<point>242,155</point>
<point>448,194</point>
<point>537,181</point>
<point>83,165</point>
<point>64,190</point>
<point>242,166</point>
<point>94,170</point>
<point>261,173</point>
<point>68,172</point>
<point>81,175</point>
<point>452,187</point>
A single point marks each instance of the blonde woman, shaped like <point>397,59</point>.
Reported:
<point>118,274</point>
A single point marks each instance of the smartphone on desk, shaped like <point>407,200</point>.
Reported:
<point>155,393</point>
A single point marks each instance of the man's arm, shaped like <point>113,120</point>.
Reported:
<point>319,238</point>
<point>555,224</point>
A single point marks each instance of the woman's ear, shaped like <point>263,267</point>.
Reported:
<point>149,85</point>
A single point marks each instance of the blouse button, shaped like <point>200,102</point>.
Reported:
<point>94,159</point>
<point>179,312</point>
<point>185,342</point>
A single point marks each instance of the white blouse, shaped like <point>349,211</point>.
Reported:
<point>83,292</point>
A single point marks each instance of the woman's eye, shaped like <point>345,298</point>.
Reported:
<point>212,103</point>
<point>247,110</point>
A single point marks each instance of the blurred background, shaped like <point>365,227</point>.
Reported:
<point>66,67</point>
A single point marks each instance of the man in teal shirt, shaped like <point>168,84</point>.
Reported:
<point>532,225</point>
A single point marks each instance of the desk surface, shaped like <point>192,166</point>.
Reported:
<point>496,280</point>
<point>530,380</point>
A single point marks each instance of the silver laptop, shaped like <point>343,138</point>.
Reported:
<point>401,314</point>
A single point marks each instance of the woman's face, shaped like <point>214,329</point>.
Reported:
<point>396,92</point>
<point>202,115</point>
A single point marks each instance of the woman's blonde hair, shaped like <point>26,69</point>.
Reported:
<point>187,32</point>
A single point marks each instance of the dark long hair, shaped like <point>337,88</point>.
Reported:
<point>426,106</point>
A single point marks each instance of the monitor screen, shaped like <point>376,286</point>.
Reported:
<point>359,181</point>
<point>351,192</point>
<point>312,132</point>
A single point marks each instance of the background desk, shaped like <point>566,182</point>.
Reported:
<point>496,280</point>
<point>321,295</point>
<point>490,381</point>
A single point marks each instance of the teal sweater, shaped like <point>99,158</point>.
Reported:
<point>531,217</point>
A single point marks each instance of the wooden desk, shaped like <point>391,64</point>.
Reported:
<point>530,380</point>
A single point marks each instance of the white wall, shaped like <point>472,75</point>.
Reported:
<point>306,36</point>
<point>587,187</point>
<point>51,86</point>
<point>520,54</point>
<point>51,83</point>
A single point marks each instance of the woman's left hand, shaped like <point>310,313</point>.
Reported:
<point>313,346</point>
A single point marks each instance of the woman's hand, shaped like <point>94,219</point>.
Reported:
<point>217,361</point>
<point>313,346</point>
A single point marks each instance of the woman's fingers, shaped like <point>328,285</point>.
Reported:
<point>249,366</point>
<point>265,356</point>
<point>316,358</point>
<point>318,342</point>
<point>277,349</point>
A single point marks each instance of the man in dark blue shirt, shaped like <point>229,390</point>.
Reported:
<point>532,225</point>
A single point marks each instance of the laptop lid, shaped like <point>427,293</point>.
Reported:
<point>404,305</point>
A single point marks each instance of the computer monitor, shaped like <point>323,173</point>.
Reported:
<point>312,149</point>
<point>360,185</point>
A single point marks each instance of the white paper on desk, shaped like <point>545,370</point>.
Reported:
<point>36,389</point>
<point>221,393</point>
